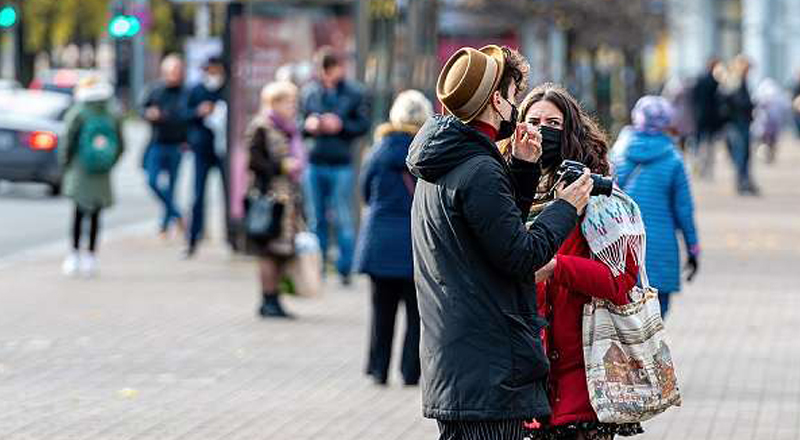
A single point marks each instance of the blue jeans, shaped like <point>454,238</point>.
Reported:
<point>330,190</point>
<point>203,164</point>
<point>738,137</point>
<point>164,158</point>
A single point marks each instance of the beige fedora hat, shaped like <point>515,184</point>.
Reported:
<point>468,79</point>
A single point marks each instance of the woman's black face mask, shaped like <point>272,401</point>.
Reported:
<point>551,146</point>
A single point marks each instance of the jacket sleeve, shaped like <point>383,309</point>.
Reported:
<point>305,109</point>
<point>120,138</point>
<point>193,102</point>
<point>683,206</point>
<point>146,100</point>
<point>593,278</point>
<point>66,150</point>
<point>526,178</point>
<point>357,121</point>
<point>491,212</point>
<point>261,163</point>
<point>366,180</point>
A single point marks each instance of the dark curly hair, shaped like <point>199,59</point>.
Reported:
<point>583,139</point>
<point>516,71</point>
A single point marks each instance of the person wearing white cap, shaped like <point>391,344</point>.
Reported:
<point>90,150</point>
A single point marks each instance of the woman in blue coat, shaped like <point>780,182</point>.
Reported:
<point>651,170</point>
<point>384,244</point>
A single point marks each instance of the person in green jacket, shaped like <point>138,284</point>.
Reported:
<point>89,151</point>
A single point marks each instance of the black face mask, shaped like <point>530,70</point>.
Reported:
<point>507,127</point>
<point>551,146</point>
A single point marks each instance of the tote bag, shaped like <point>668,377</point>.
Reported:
<point>630,373</point>
<point>305,269</point>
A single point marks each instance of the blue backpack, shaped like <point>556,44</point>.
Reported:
<point>98,142</point>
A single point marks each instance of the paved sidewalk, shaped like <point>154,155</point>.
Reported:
<point>159,348</point>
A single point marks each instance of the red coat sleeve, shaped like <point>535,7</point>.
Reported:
<point>593,278</point>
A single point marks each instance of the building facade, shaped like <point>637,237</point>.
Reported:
<point>764,30</point>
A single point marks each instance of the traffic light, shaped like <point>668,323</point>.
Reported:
<point>124,26</point>
<point>8,17</point>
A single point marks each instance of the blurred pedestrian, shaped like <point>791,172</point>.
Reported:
<point>709,112</point>
<point>773,110</point>
<point>202,102</point>
<point>164,107</point>
<point>571,279</point>
<point>92,147</point>
<point>384,245</point>
<point>484,370</point>
<point>679,93</point>
<point>334,114</point>
<point>650,169</point>
<point>277,161</point>
<point>737,133</point>
<point>796,102</point>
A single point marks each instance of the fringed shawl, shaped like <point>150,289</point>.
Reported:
<point>613,227</point>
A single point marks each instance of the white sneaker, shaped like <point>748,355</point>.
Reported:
<point>88,266</point>
<point>71,263</point>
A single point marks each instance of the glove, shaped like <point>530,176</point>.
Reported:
<point>691,268</point>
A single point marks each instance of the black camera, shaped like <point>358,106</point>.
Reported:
<point>570,171</point>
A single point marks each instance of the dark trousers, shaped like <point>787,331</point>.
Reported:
<point>164,158</point>
<point>387,293</point>
<point>738,140</point>
<point>663,301</point>
<point>77,228</point>
<point>203,164</point>
<point>493,430</point>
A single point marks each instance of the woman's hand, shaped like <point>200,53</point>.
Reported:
<point>546,272</point>
<point>527,143</point>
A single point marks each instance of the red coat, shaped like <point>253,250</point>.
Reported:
<point>576,277</point>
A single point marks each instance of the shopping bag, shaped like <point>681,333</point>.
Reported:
<point>630,373</point>
<point>629,369</point>
<point>305,269</point>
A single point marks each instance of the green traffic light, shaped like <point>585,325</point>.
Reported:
<point>124,26</point>
<point>8,16</point>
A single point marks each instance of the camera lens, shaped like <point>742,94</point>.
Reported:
<point>602,185</point>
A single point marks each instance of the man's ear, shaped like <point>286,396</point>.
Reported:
<point>497,99</point>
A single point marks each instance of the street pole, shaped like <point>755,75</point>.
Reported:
<point>139,56</point>
<point>202,21</point>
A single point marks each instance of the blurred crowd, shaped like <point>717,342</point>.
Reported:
<point>722,105</point>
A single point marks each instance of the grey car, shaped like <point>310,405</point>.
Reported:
<point>31,127</point>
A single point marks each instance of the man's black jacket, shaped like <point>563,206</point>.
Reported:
<point>474,266</point>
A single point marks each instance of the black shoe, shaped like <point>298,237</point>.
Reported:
<point>378,379</point>
<point>346,281</point>
<point>189,252</point>
<point>272,308</point>
<point>410,383</point>
<point>749,190</point>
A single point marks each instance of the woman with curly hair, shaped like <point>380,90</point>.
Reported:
<point>573,277</point>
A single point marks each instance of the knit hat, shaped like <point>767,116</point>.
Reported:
<point>93,88</point>
<point>468,79</point>
<point>652,114</point>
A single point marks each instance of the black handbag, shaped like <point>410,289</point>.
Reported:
<point>263,218</point>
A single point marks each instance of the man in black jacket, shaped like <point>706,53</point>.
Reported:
<point>164,106</point>
<point>483,366</point>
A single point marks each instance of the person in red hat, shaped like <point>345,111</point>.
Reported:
<point>484,370</point>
